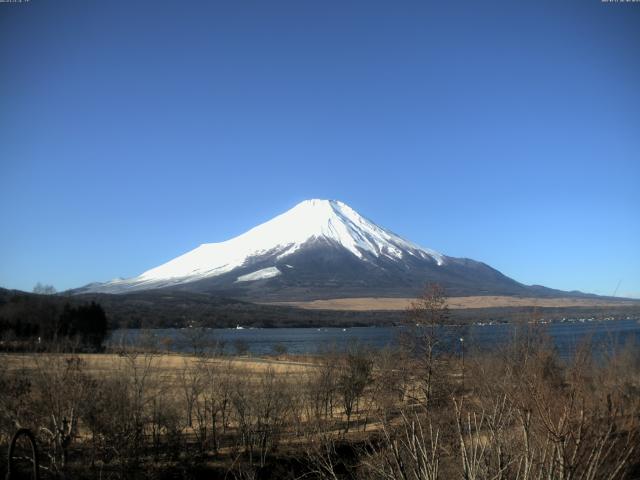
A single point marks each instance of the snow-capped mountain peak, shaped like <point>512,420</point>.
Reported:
<point>310,221</point>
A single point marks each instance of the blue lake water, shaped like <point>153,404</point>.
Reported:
<point>566,336</point>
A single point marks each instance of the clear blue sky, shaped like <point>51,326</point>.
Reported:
<point>507,132</point>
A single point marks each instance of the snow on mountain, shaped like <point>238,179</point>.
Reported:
<point>311,220</point>
<point>261,274</point>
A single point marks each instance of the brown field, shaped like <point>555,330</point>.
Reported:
<point>165,365</point>
<point>381,303</point>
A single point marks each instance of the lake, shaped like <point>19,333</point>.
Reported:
<point>607,335</point>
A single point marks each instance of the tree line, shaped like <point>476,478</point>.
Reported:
<point>30,321</point>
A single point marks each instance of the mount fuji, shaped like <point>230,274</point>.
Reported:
<point>319,249</point>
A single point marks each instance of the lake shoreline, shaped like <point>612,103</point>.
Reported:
<point>566,335</point>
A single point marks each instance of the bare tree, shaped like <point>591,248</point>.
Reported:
<point>410,450</point>
<point>44,289</point>
<point>62,388</point>
<point>122,410</point>
<point>321,387</point>
<point>15,401</point>
<point>262,411</point>
<point>215,401</point>
<point>354,375</point>
<point>322,458</point>
<point>200,341</point>
<point>191,384</point>
<point>426,316</point>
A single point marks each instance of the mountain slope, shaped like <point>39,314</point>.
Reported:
<point>319,249</point>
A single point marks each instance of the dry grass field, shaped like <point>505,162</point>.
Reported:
<point>381,303</point>
<point>168,367</point>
